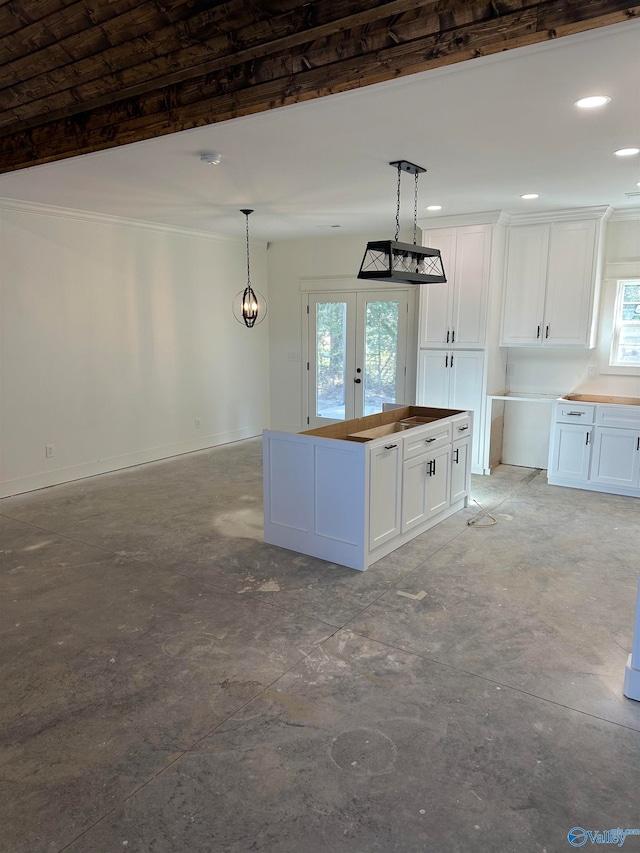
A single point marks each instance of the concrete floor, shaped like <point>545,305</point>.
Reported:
<point>170,684</point>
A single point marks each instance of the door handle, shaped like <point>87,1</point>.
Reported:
<point>448,335</point>
<point>538,335</point>
<point>446,358</point>
<point>462,429</point>
<point>357,381</point>
<point>546,334</point>
<point>453,336</point>
<point>390,446</point>
<point>587,439</point>
<point>638,443</point>
<point>429,440</point>
<point>457,453</point>
<point>451,365</point>
<point>430,467</point>
<point>434,466</point>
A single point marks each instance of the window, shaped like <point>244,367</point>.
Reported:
<point>625,340</point>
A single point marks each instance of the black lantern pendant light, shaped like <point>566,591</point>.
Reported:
<point>249,306</point>
<point>403,263</point>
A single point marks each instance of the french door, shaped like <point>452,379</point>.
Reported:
<point>357,353</point>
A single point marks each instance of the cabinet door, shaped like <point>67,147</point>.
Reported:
<point>436,300</point>
<point>384,493</point>
<point>570,451</point>
<point>523,307</point>
<point>570,284</point>
<point>471,286</point>
<point>425,487</point>
<point>466,393</point>
<point>460,467</point>
<point>616,457</point>
<point>433,379</point>
<point>439,481</point>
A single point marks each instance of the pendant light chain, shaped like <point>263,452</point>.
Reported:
<point>398,204</point>
<point>415,211</point>
<point>248,265</point>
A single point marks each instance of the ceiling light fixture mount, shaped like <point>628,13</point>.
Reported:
<point>249,306</point>
<point>403,263</point>
<point>212,158</point>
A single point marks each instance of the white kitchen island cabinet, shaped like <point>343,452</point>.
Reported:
<point>352,492</point>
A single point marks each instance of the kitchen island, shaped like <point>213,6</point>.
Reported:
<point>354,491</point>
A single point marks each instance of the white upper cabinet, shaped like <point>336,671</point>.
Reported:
<point>551,283</point>
<point>454,314</point>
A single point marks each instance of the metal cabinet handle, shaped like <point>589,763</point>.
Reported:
<point>453,336</point>
<point>446,360</point>
<point>357,381</point>
<point>451,365</point>
<point>457,454</point>
<point>448,335</point>
<point>638,443</point>
<point>587,439</point>
<point>429,440</point>
<point>462,429</point>
<point>434,466</point>
<point>576,414</point>
<point>546,334</point>
<point>390,446</point>
<point>538,335</point>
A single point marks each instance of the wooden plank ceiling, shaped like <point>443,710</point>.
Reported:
<point>84,75</point>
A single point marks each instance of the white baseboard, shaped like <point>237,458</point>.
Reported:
<point>44,479</point>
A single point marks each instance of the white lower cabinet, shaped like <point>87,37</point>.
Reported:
<point>425,487</point>
<point>602,454</point>
<point>460,465</point>
<point>337,494</point>
<point>571,451</point>
<point>385,484</point>
<point>616,457</point>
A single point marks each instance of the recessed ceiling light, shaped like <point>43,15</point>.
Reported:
<point>592,101</point>
<point>626,152</point>
<point>529,196</point>
<point>435,207</point>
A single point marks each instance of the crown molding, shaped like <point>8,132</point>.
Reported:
<point>484,217</point>
<point>571,214</point>
<point>20,206</point>
<point>625,214</point>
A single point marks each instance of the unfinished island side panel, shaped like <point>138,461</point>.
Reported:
<point>315,496</point>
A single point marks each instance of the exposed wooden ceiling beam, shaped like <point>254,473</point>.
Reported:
<point>185,63</point>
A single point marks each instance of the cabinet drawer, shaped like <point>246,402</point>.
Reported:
<point>460,427</point>
<point>618,416</point>
<point>424,440</point>
<point>575,413</point>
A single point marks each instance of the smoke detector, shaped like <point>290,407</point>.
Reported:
<point>211,157</point>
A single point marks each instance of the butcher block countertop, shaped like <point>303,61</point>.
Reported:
<point>596,398</point>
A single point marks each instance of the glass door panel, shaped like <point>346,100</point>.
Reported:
<point>331,334</point>
<point>331,359</point>
<point>357,353</point>
<point>381,324</point>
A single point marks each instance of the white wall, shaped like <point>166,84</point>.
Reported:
<point>558,371</point>
<point>290,262</point>
<point>114,338</point>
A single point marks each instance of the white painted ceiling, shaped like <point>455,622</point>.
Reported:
<point>487,131</point>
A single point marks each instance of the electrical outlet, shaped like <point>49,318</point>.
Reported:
<point>197,423</point>
<point>592,372</point>
<point>48,450</point>
<point>511,369</point>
